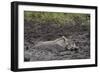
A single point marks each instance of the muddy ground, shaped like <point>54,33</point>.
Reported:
<point>35,32</point>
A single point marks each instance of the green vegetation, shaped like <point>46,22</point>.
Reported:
<point>58,18</point>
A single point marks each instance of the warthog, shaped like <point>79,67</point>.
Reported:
<point>62,42</point>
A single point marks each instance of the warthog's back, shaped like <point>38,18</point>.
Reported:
<point>63,41</point>
<point>50,47</point>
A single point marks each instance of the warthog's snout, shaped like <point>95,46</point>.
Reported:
<point>71,46</point>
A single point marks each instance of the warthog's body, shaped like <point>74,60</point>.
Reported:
<point>62,42</point>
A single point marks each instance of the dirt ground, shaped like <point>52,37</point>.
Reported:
<point>35,32</point>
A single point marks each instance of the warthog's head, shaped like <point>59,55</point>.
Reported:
<point>66,43</point>
<point>71,45</point>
